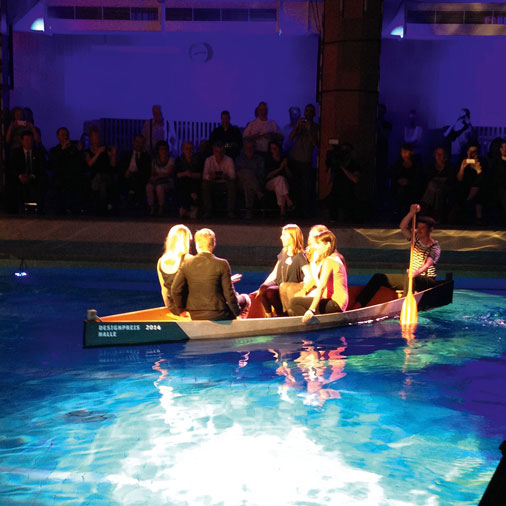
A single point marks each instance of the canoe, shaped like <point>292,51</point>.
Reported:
<point>153,326</point>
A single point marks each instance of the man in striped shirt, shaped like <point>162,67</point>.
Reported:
<point>426,253</point>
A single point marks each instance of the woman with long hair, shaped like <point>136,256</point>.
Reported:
<point>177,246</point>
<point>288,290</point>
<point>291,267</point>
<point>331,294</point>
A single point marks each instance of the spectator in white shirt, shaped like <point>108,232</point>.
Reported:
<point>262,130</point>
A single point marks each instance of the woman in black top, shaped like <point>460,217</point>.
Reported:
<point>291,267</point>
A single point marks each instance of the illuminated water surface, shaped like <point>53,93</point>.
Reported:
<point>356,416</point>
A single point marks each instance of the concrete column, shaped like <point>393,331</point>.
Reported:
<point>349,83</point>
<point>2,126</point>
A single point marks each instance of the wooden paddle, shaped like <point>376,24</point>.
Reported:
<point>409,311</point>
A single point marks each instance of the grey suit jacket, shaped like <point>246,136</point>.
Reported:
<point>203,287</point>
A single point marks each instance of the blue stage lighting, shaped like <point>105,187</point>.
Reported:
<point>38,25</point>
<point>398,31</point>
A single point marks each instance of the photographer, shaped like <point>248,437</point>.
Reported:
<point>460,134</point>
<point>468,204</point>
<point>305,137</point>
<point>345,199</point>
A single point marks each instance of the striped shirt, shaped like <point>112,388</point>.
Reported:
<point>422,252</point>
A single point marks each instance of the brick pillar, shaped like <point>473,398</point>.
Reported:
<point>349,83</point>
<point>2,126</point>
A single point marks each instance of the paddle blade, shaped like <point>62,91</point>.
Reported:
<point>409,311</point>
<point>408,331</point>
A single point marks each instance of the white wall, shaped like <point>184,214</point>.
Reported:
<point>439,77</point>
<point>67,79</point>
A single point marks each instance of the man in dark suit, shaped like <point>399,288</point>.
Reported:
<point>203,286</point>
<point>135,169</point>
<point>27,175</point>
<point>68,184</point>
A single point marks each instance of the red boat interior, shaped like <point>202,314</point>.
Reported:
<point>161,314</point>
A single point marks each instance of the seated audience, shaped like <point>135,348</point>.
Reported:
<point>135,167</point>
<point>229,135</point>
<point>250,173</point>
<point>188,181</point>
<point>426,253</point>
<point>469,194</point>
<point>218,178</point>
<point>405,175</point>
<point>26,178</point>
<point>440,180</point>
<point>331,293</point>
<point>291,267</point>
<point>262,130</point>
<point>101,162</point>
<point>277,173</point>
<point>305,138</point>
<point>67,178</point>
<point>203,286</point>
<point>177,246</point>
<point>161,181</point>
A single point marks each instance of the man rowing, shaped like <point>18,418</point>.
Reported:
<point>426,253</point>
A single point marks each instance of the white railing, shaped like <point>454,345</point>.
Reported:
<point>121,132</point>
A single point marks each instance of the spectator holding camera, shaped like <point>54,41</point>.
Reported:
<point>460,134</point>
<point>300,160</point>
<point>345,199</point>
<point>470,177</point>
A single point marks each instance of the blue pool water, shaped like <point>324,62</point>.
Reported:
<point>355,416</point>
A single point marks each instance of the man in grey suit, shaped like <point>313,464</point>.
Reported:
<point>203,286</point>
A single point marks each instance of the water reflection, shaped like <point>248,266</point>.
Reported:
<point>312,372</point>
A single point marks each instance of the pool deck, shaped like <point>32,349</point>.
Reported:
<point>254,245</point>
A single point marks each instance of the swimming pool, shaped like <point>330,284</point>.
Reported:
<point>356,416</point>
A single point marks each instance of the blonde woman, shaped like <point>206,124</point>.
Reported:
<point>177,246</point>
<point>331,294</point>
<point>313,258</point>
<point>291,267</point>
